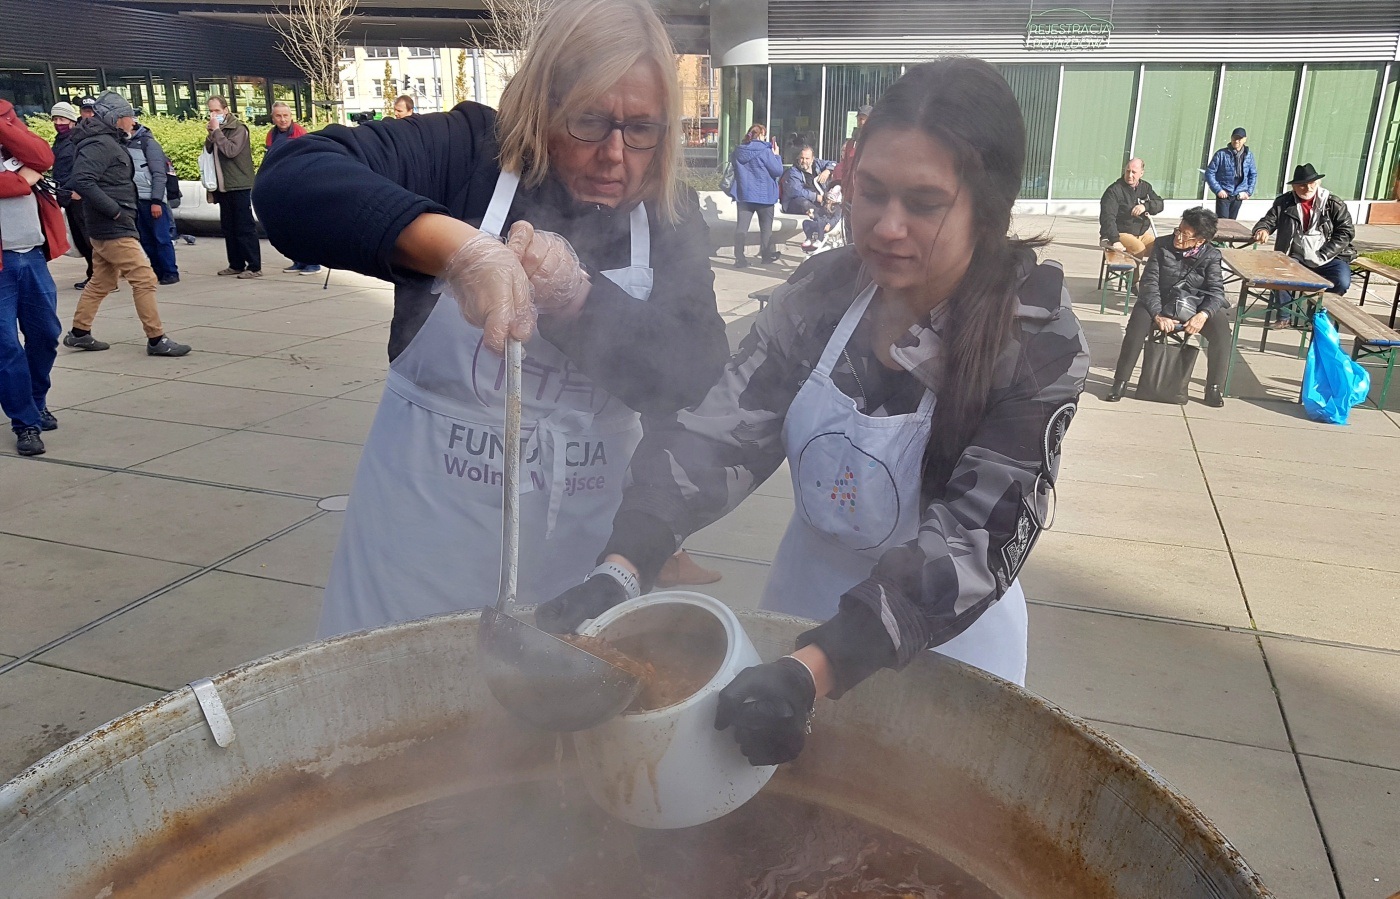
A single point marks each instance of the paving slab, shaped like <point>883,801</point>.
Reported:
<point>201,404</point>
<point>1185,679</point>
<point>1264,443</point>
<point>283,321</point>
<point>1341,603</point>
<point>751,531</point>
<point>230,342</point>
<point>336,351</point>
<point>1135,576</point>
<point>344,421</point>
<point>1289,414</point>
<point>1134,466</point>
<point>265,373</point>
<point>157,518</point>
<point>31,480</point>
<point>315,468</point>
<point>73,388</point>
<point>742,584</point>
<point>45,708</point>
<point>1255,796</point>
<point>113,440</point>
<point>376,334</point>
<point>52,589</point>
<point>1308,484</point>
<point>1341,703</point>
<point>1093,430</point>
<point>192,314</point>
<point>131,359</point>
<point>206,626</point>
<point>301,556</point>
<point>1359,808</point>
<point>1336,536</point>
<point>1176,518</point>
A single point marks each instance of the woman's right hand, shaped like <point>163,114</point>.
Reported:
<point>491,288</point>
<point>1165,325</point>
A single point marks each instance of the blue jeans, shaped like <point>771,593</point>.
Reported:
<point>1338,271</point>
<point>27,299</point>
<point>155,238</point>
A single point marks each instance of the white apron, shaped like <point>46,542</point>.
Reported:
<point>856,485</point>
<point>422,532</point>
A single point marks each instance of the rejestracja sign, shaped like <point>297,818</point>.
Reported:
<point>1067,29</point>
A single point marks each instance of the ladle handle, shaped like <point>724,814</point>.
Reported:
<point>510,508</point>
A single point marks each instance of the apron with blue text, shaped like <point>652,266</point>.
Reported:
<point>856,482</point>
<point>422,533</point>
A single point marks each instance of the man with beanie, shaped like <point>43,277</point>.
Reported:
<point>65,116</point>
<point>229,140</point>
<point>31,233</point>
<point>103,173</point>
<point>152,212</point>
<point>1231,175</point>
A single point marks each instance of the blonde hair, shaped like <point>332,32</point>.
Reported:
<point>580,50</point>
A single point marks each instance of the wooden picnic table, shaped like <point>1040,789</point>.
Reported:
<point>1233,232</point>
<point>1261,273</point>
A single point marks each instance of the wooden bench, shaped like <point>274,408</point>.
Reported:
<point>1373,339</point>
<point>1118,272</point>
<point>1368,267</point>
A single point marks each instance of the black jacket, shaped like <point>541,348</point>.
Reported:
<point>340,197</point>
<point>1115,209</point>
<point>102,176</point>
<point>1284,219</point>
<point>65,151</point>
<point>1200,275</point>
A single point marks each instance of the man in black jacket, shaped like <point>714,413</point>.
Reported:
<point>1312,226</point>
<point>1124,212</point>
<point>65,117</point>
<point>104,175</point>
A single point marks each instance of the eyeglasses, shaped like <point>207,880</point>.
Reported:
<point>595,129</point>
<point>1186,236</point>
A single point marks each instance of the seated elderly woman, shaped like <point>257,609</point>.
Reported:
<point>1182,287</point>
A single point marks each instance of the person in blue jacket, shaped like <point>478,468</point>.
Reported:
<point>1232,175</point>
<point>757,165</point>
<point>804,184</point>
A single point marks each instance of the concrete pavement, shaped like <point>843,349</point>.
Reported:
<point>1221,591</point>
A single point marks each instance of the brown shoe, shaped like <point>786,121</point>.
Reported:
<point>230,271</point>
<point>1281,324</point>
<point>682,570</point>
<point>249,275</point>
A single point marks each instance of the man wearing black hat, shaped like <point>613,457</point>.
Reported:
<point>1231,175</point>
<point>88,107</point>
<point>1312,226</point>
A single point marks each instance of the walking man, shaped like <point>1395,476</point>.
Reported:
<point>31,233</point>
<point>65,116</point>
<point>1231,175</point>
<point>105,176</point>
<point>285,129</point>
<point>229,141</point>
<point>153,215</point>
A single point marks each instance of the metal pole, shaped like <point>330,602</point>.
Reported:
<point>821,114</point>
<point>478,94</point>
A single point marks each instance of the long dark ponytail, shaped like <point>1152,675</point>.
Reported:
<point>968,107</point>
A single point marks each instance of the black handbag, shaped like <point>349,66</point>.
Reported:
<point>1181,302</point>
<point>1167,363</point>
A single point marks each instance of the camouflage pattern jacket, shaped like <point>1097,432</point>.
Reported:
<point>695,466</point>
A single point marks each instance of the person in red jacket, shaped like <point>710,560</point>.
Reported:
<point>31,233</point>
<point>285,129</point>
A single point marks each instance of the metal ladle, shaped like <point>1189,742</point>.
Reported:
<point>542,680</point>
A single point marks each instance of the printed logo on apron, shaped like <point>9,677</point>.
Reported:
<point>852,497</point>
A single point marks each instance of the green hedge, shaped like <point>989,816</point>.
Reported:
<point>182,140</point>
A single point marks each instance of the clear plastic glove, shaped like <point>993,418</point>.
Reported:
<point>560,284</point>
<point>769,707</point>
<point>491,289</point>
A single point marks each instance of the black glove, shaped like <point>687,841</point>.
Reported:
<point>565,612</point>
<point>769,706</point>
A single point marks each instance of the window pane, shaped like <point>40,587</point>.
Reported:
<point>1036,88</point>
<point>1260,100</point>
<point>848,88</point>
<point>74,84</point>
<point>1173,128</point>
<point>27,89</point>
<point>250,98</point>
<point>1095,129</point>
<point>1385,175</point>
<point>1339,104</point>
<point>209,87</point>
<point>797,94</point>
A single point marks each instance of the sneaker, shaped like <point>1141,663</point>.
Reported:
<point>1280,324</point>
<point>167,280</point>
<point>86,342</point>
<point>310,269</point>
<point>28,442</point>
<point>46,421</point>
<point>293,268</point>
<point>230,271</point>
<point>81,284</point>
<point>249,275</point>
<point>166,347</point>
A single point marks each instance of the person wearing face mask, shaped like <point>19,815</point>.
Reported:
<point>231,144</point>
<point>104,174</point>
<point>559,222</point>
<point>918,384</point>
<point>1310,224</point>
<point>65,117</point>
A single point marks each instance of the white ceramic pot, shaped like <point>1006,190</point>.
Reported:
<point>669,767</point>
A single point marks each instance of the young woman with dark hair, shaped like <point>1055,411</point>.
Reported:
<point>918,383</point>
<point>1182,287</point>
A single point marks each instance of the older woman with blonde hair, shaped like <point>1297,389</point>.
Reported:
<point>559,222</point>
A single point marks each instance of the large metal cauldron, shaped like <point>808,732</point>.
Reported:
<point>334,734</point>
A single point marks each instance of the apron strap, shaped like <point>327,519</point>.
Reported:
<point>844,330</point>
<point>641,237</point>
<point>494,221</point>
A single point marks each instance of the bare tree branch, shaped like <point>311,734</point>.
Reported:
<point>313,38</point>
<point>513,25</point>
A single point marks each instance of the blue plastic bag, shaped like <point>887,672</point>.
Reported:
<point>1332,381</point>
